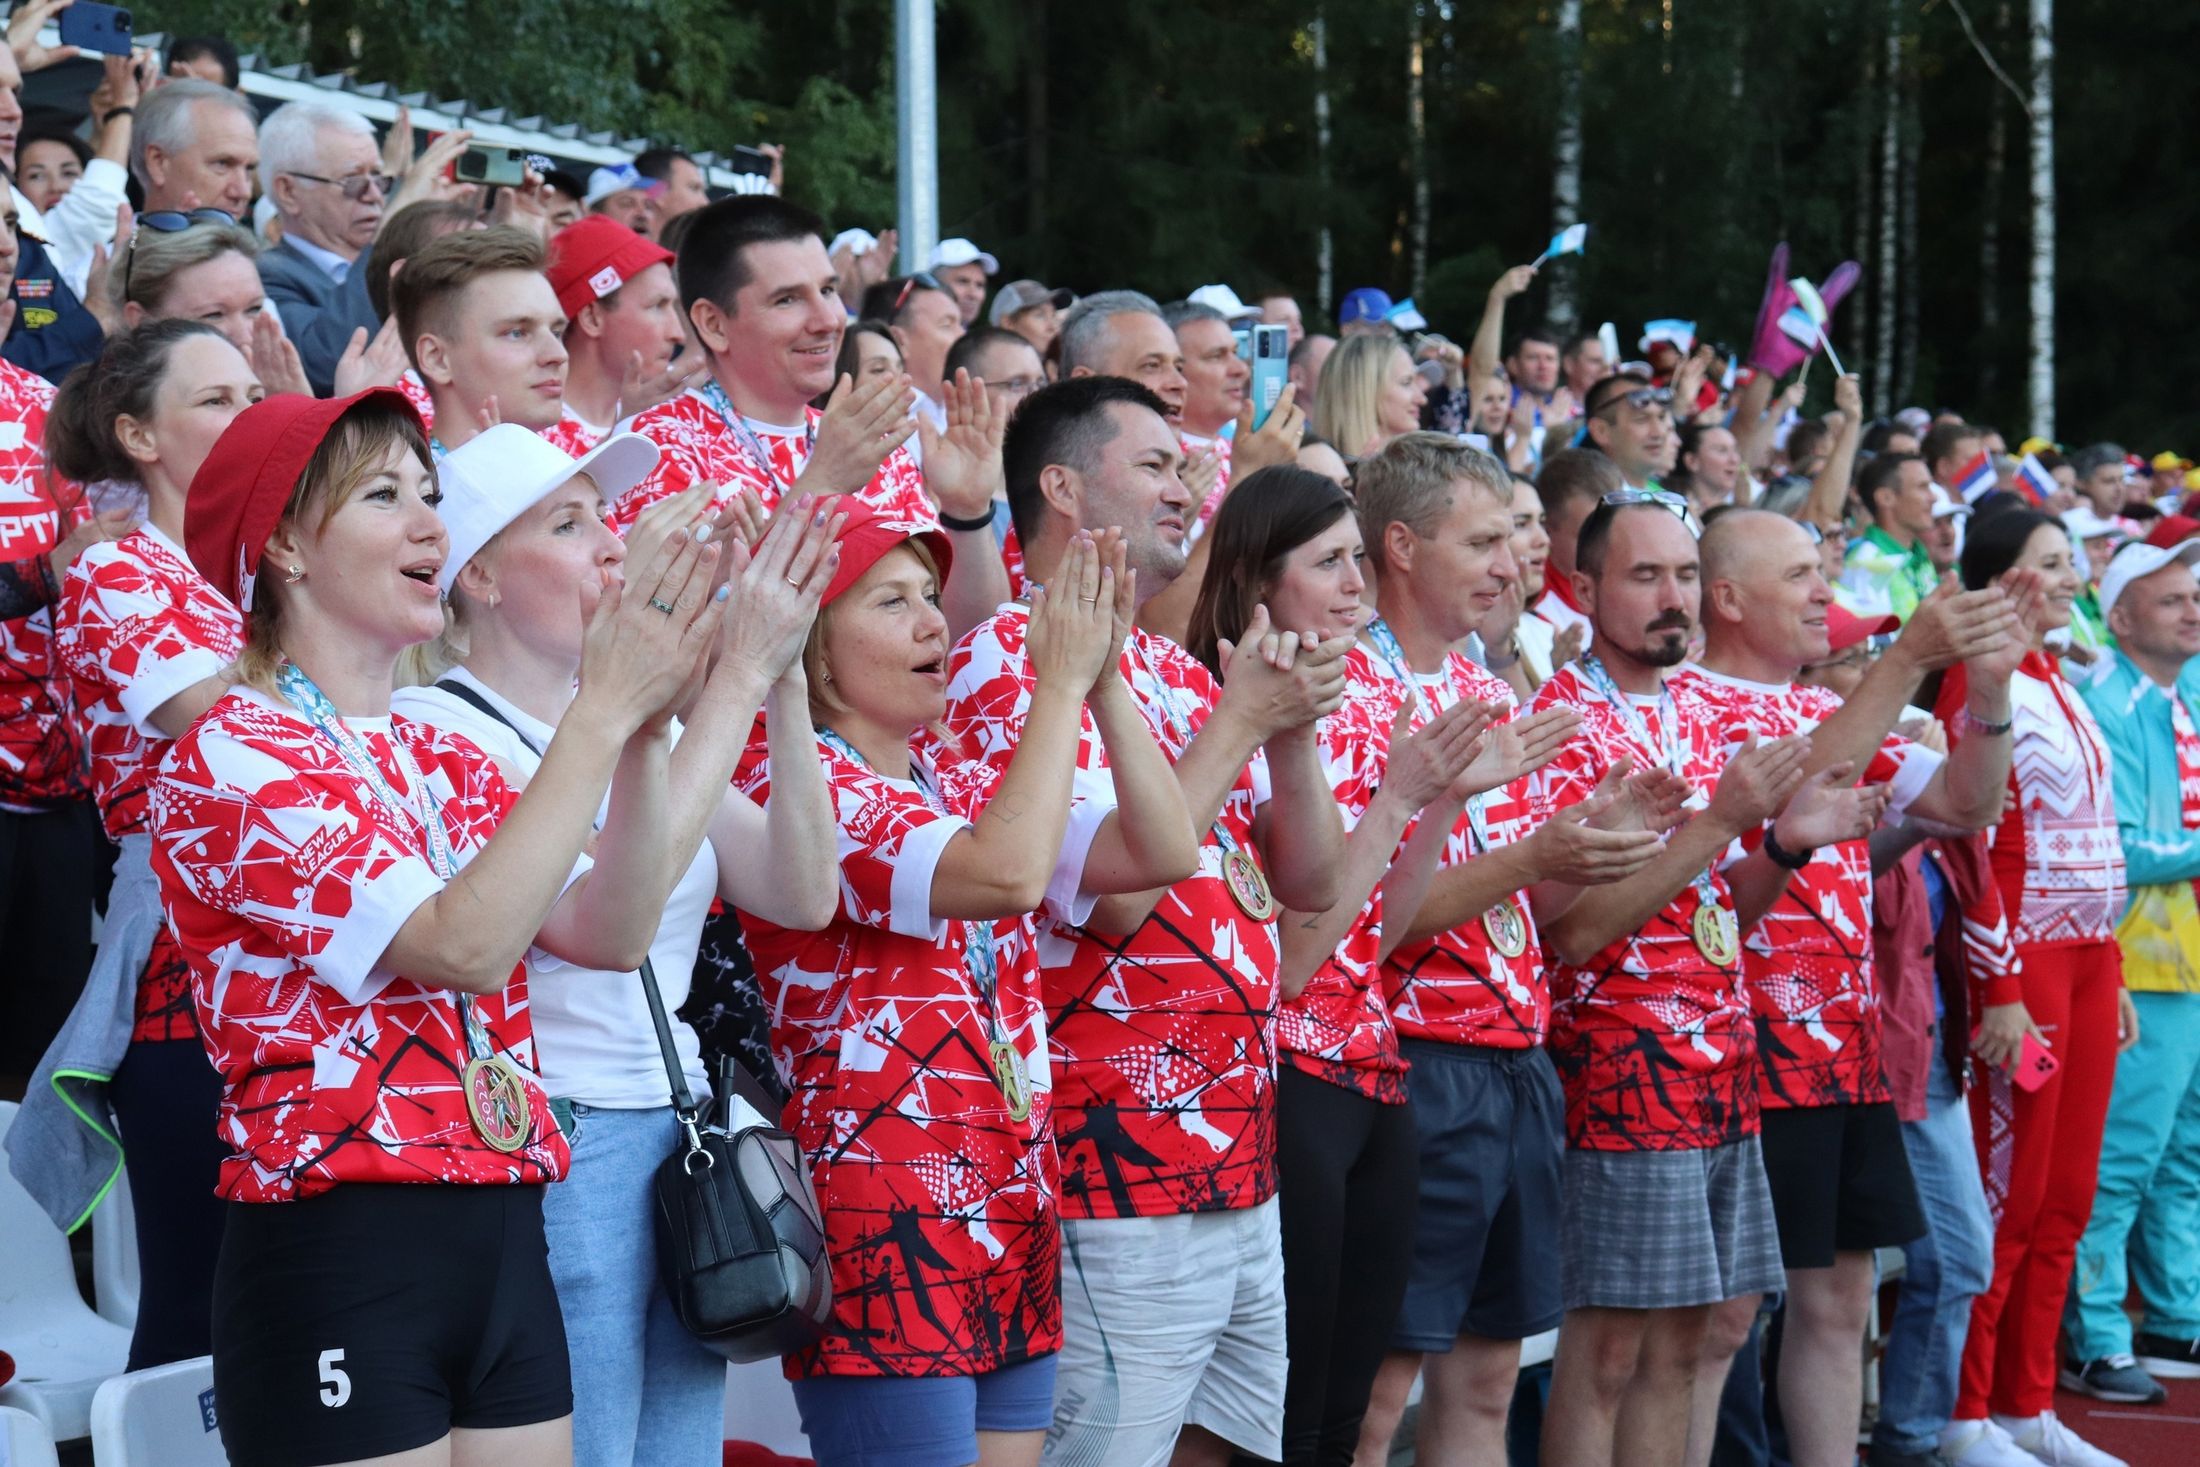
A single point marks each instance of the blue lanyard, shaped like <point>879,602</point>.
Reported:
<point>979,959</point>
<point>1386,645</point>
<point>751,446</point>
<point>1600,678</point>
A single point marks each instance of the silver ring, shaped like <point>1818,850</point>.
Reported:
<point>656,605</point>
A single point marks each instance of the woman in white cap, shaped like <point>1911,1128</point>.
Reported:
<point>526,526</point>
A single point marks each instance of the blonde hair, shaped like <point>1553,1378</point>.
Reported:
<point>1410,482</point>
<point>354,447</point>
<point>1351,387</point>
<point>153,259</point>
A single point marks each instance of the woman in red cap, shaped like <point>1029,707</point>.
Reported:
<point>145,639</point>
<point>911,1031</point>
<point>354,892</point>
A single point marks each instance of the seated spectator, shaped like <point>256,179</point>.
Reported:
<point>867,352</point>
<point>320,164</point>
<point>964,269</point>
<point>623,326</point>
<point>195,147</point>
<point>84,217</point>
<point>1005,361</point>
<point>926,321</point>
<point>1631,420</point>
<point>206,58</point>
<point>1032,311</point>
<point>48,163</point>
<point>681,176</point>
<point>623,194</point>
<point>564,200</point>
<point>1370,393</point>
<point>484,330</point>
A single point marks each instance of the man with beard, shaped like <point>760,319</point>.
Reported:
<point>1666,1211</point>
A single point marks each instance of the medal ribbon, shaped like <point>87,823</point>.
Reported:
<point>1669,748</point>
<point>979,958</point>
<point>752,447</point>
<point>306,696</point>
<point>1386,645</point>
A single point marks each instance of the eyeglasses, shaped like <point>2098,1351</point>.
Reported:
<point>354,185</point>
<point>169,221</point>
<point>1819,534</point>
<point>1017,386</point>
<point>924,279</point>
<point>1644,398</point>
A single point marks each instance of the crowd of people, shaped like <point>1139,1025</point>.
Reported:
<point>1243,907</point>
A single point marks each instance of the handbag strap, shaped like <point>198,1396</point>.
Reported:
<point>683,1099</point>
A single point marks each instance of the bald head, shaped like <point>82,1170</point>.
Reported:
<point>1740,544</point>
<point>1765,595</point>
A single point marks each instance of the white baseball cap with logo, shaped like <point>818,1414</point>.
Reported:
<point>952,252</point>
<point>499,474</point>
<point>1225,300</point>
<point>2138,560</point>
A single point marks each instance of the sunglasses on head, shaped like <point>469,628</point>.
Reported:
<point>924,279</point>
<point>169,221</point>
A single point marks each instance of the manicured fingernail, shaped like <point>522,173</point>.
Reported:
<point>702,534</point>
<point>723,593</point>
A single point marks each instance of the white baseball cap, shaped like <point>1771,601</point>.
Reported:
<point>2138,560</point>
<point>951,252</point>
<point>1946,504</point>
<point>498,475</point>
<point>2083,522</point>
<point>858,242</point>
<point>1225,300</point>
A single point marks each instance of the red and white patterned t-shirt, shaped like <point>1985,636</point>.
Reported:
<point>939,1204</point>
<point>41,755</point>
<point>1652,1040</point>
<point>1456,988</point>
<point>697,444</point>
<point>2057,855</point>
<point>2188,767</point>
<point>285,881</point>
<point>1163,1041</point>
<point>1809,958</point>
<point>416,393</point>
<point>1192,443</point>
<point>137,624</point>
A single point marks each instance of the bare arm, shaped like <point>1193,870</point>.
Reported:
<point>1149,839</point>
<point>1829,492</point>
<point>1489,335</point>
<point>1753,426</point>
<point>778,861</point>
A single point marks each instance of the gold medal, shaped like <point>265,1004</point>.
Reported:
<point>496,1102</point>
<point>1507,928</point>
<point>1248,886</point>
<point>1014,1078</point>
<point>1718,935</point>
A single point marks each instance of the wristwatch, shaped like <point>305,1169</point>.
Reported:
<point>1791,860</point>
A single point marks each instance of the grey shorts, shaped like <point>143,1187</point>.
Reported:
<point>1169,1322</point>
<point>1667,1229</point>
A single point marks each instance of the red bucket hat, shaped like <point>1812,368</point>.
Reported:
<point>592,257</point>
<point>869,534</point>
<point>1844,628</point>
<point>236,499</point>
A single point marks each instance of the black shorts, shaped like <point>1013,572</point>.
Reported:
<point>1840,1181</point>
<point>1491,1124</point>
<point>373,1319</point>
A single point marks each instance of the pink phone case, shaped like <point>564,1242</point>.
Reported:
<point>2036,1065</point>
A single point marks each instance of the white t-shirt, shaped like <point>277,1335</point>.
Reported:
<point>594,1041</point>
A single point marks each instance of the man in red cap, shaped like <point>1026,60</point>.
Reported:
<point>623,326</point>
<point>1832,1141</point>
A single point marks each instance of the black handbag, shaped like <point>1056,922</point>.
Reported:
<point>740,1234</point>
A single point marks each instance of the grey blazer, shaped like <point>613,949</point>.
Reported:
<point>318,314</point>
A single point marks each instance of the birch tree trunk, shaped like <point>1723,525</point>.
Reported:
<point>1890,177</point>
<point>1566,160</point>
<point>1857,323</point>
<point>1417,155</point>
<point>1908,280</point>
<point>1325,245</point>
<point>1989,234</point>
<point>2043,219</point>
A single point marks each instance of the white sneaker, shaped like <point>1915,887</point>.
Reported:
<point>2046,1438</point>
<point>1982,1443</point>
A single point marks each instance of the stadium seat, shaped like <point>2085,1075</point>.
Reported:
<point>24,1440</point>
<point>62,1350</point>
<point>115,1257</point>
<point>163,1417</point>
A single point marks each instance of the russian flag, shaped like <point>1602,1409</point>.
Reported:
<point>2034,480</point>
<point>1974,478</point>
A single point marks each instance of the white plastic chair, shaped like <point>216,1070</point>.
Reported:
<point>24,1440</point>
<point>62,1349</point>
<point>163,1417</point>
<point>115,1256</point>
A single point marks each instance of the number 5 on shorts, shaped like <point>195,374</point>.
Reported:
<point>335,1383</point>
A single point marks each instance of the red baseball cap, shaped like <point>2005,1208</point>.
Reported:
<point>237,497</point>
<point>1844,628</point>
<point>2173,530</point>
<point>595,255</point>
<point>869,534</point>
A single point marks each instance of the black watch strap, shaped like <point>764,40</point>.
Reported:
<point>1781,856</point>
<point>966,526</point>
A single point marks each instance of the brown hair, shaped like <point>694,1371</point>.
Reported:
<point>355,445</point>
<point>422,293</point>
<point>409,231</point>
<point>1269,514</point>
<point>124,379</point>
<point>1410,483</point>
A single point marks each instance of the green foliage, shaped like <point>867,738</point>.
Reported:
<point>1169,143</point>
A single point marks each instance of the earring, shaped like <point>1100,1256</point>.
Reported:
<point>297,574</point>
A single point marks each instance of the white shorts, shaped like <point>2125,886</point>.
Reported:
<point>1169,1322</point>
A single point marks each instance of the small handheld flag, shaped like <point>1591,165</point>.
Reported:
<point>1975,478</point>
<point>1808,301</point>
<point>1572,240</point>
<point>1608,338</point>
<point>2035,481</point>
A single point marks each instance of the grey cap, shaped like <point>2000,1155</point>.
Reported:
<point>1022,295</point>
